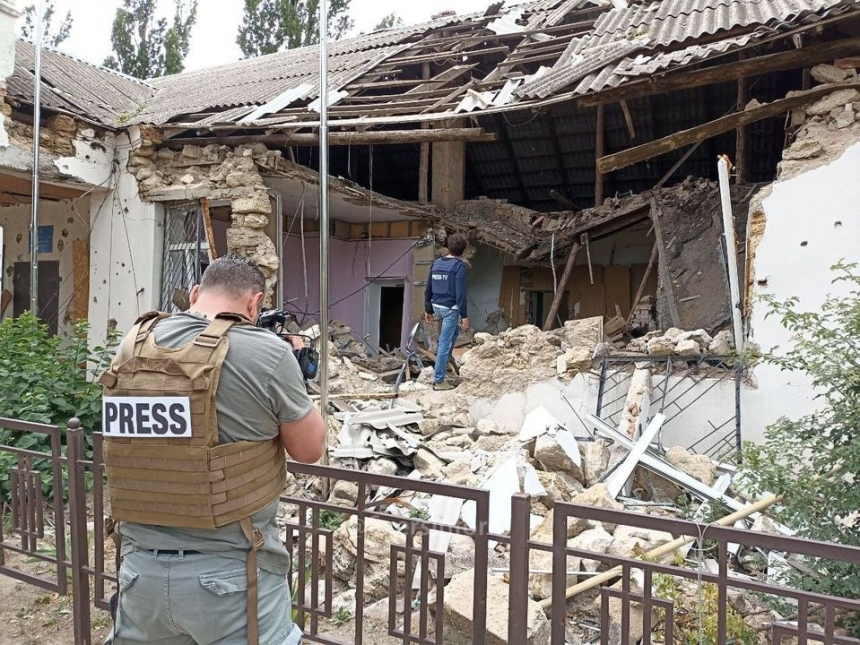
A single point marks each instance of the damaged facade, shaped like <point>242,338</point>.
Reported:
<point>574,141</point>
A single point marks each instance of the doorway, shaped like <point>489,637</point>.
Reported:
<point>49,291</point>
<point>540,302</point>
<point>384,313</point>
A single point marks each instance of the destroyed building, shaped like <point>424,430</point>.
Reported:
<point>574,141</point>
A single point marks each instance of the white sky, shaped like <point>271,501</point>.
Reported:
<point>213,40</point>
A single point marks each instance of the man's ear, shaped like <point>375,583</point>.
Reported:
<point>254,305</point>
<point>194,295</point>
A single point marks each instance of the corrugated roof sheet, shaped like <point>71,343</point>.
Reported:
<point>665,22</point>
<point>72,85</point>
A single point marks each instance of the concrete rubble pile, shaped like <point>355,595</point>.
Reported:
<point>432,436</point>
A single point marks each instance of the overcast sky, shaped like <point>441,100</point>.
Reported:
<point>213,40</point>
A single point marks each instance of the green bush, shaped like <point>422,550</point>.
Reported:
<point>47,379</point>
<point>813,461</point>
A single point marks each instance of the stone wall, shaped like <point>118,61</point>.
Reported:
<point>218,173</point>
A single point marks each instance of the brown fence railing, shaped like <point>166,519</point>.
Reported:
<point>630,600</point>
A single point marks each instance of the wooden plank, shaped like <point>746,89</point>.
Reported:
<point>379,229</point>
<point>400,229</point>
<point>424,156</point>
<point>665,145</point>
<point>81,277</point>
<point>628,119</point>
<point>600,150</point>
<point>562,287</point>
<point>369,137</point>
<point>509,296</point>
<point>741,135</point>
<point>781,61</point>
<point>207,224</point>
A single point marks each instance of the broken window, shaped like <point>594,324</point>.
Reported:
<point>186,255</point>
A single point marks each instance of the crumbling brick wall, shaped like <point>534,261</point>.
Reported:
<point>216,172</point>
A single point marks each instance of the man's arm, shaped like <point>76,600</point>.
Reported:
<point>460,290</point>
<point>428,298</point>
<point>304,439</point>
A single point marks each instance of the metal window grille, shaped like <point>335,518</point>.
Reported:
<point>186,255</point>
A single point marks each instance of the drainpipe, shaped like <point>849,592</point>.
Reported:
<point>37,119</point>
<point>323,143</point>
<point>731,252</point>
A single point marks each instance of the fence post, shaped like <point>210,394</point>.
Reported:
<point>519,571</point>
<point>78,531</point>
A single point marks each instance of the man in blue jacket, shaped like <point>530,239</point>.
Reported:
<point>445,299</point>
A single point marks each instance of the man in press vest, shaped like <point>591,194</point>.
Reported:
<point>445,299</point>
<point>198,410</point>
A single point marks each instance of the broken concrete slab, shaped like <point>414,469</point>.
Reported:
<point>459,610</point>
<point>827,74</point>
<point>629,541</point>
<point>595,460</point>
<point>428,464</point>
<point>832,101</point>
<point>634,416</point>
<point>699,466</point>
<point>538,422</point>
<point>598,495</point>
<point>559,453</point>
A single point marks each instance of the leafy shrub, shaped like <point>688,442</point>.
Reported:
<point>47,379</point>
<point>814,461</point>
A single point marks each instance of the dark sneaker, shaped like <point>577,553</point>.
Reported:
<point>442,386</point>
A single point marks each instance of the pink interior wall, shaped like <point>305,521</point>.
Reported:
<point>349,270</point>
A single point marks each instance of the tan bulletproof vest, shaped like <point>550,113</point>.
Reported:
<point>185,482</point>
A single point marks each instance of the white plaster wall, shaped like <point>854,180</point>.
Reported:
<point>8,17</point>
<point>125,251</point>
<point>69,219</point>
<point>805,208</point>
<point>484,280</point>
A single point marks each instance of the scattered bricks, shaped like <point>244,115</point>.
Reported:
<point>837,99</point>
<point>257,204</point>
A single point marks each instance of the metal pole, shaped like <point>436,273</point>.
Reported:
<point>324,353</point>
<point>37,119</point>
<point>731,252</point>
<point>279,237</point>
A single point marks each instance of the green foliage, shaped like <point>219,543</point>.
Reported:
<point>146,47</point>
<point>331,519</point>
<point>51,38</point>
<point>813,461</point>
<point>341,617</point>
<point>390,21</point>
<point>419,513</point>
<point>270,26</point>
<point>696,615</point>
<point>45,380</point>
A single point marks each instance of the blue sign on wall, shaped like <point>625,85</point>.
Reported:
<point>46,239</point>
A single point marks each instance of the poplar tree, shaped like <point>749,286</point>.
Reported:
<point>145,46</point>
<point>52,38</point>
<point>270,26</point>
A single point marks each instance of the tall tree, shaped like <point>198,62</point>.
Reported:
<point>269,26</point>
<point>146,47</point>
<point>52,38</point>
<point>391,20</point>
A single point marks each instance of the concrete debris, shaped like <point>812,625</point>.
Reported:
<point>459,611</point>
<point>559,453</point>
<point>699,466</point>
<point>827,74</point>
<point>832,101</point>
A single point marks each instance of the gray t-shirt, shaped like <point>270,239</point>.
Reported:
<point>261,386</point>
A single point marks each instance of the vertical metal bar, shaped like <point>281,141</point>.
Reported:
<point>78,521</point>
<point>98,514</point>
<point>722,592</point>
<point>315,569</point>
<point>738,435</point>
<point>423,608</point>
<point>829,623</point>
<point>731,253</point>
<point>559,578</point>
<point>279,249</point>
<point>302,558</point>
<point>482,556</point>
<point>407,587</point>
<point>519,569</point>
<point>324,232</point>
<point>625,599</point>
<point>604,618</point>
<point>440,600</point>
<point>37,124</point>
<point>359,566</point>
<point>59,511</point>
<point>646,606</point>
<point>198,228</point>
<point>604,366</point>
<point>802,621</point>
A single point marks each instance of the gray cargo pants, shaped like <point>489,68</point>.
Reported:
<point>198,599</point>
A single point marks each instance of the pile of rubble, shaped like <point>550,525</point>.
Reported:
<point>615,468</point>
<point>684,344</point>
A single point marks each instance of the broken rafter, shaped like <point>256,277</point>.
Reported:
<point>381,137</point>
<point>562,287</point>
<point>665,145</point>
<point>782,61</point>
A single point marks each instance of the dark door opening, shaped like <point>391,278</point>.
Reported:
<point>391,317</point>
<point>49,291</point>
<point>541,301</point>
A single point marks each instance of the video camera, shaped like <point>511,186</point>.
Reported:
<point>276,320</point>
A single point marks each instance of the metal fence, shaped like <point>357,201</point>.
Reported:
<point>630,590</point>
<point>681,386</point>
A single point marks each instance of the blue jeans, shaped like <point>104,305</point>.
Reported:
<point>447,337</point>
